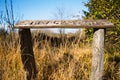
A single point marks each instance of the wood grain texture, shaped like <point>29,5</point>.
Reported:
<point>64,24</point>
<point>97,54</point>
<point>27,55</point>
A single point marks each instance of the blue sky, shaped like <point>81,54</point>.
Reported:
<point>45,9</point>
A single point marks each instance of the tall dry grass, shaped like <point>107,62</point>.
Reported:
<point>65,62</point>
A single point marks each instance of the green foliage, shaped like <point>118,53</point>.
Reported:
<point>104,9</point>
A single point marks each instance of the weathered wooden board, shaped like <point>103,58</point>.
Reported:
<point>64,24</point>
<point>98,54</point>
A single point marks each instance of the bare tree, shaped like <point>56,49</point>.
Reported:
<point>60,14</point>
<point>7,21</point>
<point>3,32</point>
<point>8,18</point>
<point>9,15</point>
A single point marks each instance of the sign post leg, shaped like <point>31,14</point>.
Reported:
<point>27,54</point>
<point>97,54</point>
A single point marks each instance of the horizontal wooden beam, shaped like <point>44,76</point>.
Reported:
<point>64,24</point>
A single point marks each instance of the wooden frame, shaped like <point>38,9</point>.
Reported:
<point>97,48</point>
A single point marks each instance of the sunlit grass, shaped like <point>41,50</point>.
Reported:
<point>57,63</point>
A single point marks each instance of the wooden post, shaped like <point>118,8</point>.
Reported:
<point>27,54</point>
<point>97,54</point>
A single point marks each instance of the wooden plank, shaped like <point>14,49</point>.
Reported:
<point>97,54</point>
<point>64,24</point>
<point>27,54</point>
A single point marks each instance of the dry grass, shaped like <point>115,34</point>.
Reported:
<point>55,63</point>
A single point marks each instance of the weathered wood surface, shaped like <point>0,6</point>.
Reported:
<point>27,55</point>
<point>97,54</point>
<point>64,24</point>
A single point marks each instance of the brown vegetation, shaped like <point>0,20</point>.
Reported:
<point>55,61</point>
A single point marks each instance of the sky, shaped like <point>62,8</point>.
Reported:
<point>46,9</point>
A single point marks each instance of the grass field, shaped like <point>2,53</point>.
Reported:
<point>63,62</point>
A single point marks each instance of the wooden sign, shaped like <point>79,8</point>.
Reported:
<point>64,24</point>
<point>27,54</point>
